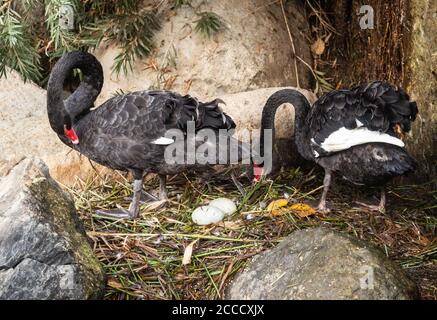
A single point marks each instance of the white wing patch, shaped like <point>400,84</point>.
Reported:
<point>163,141</point>
<point>343,139</point>
<point>224,118</point>
<point>359,123</point>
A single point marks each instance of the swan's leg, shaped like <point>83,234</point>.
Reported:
<point>238,184</point>
<point>326,183</point>
<point>382,201</point>
<point>144,197</point>
<point>163,187</point>
<point>134,207</point>
<point>380,207</point>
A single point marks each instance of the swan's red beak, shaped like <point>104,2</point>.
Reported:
<point>257,173</point>
<point>71,134</point>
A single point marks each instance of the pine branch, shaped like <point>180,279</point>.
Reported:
<point>208,24</point>
<point>62,39</point>
<point>17,50</point>
<point>133,33</point>
<point>126,23</point>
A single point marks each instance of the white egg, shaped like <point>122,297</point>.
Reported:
<point>226,205</point>
<point>206,215</point>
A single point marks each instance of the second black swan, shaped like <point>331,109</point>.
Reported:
<point>355,133</point>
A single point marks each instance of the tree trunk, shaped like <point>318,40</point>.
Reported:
<point>400,49</point>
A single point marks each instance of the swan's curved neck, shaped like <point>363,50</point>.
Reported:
<point>301,128</point>
<point>82,99</point>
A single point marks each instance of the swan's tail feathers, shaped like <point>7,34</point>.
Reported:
<point>210,115</point>
<point>207,115</point>
<point>383,105</point>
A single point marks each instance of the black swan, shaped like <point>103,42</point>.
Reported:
<point>354,133</point>
<point>127,132</point>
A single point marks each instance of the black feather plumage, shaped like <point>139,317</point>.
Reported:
<point>119,134</point>
<point>378,106</point>
<point>123,132</point>
<point>376,109</point>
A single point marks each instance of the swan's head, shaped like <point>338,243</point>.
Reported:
<point>69,131</point>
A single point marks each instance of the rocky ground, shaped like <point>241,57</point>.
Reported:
<point>318,263</point>
<point>44,253</point>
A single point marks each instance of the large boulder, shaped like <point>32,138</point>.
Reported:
<point>252,51</point>
<point>322,264</point>
<point>44,252</point>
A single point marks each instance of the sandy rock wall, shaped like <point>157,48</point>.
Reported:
<point>252,51</point>
<point>25,130</point>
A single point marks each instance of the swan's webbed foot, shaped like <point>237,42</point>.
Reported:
<point>323,208</point>
<point>115,214</point>
<point>161,201</point>
<point>377,208</point>
<point>371,207</point>
<point>134,208</point>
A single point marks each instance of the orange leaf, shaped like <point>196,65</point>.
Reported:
<point>276,204</point>
<point>302,210</point>
<point>276,207</point>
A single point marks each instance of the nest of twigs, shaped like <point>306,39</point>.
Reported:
<point>144,259</point>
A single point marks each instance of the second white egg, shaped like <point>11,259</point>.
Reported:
<point>224,204</point>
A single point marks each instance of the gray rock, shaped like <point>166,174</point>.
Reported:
<point>322,264</point>
<point>44,252</point>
